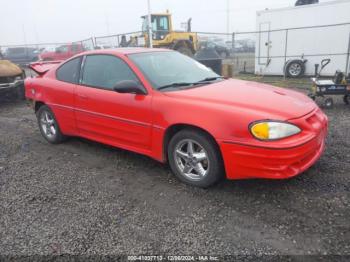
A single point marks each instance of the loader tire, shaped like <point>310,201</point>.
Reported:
<point>184,50</point>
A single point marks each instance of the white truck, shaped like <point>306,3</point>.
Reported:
<point>293,41</point>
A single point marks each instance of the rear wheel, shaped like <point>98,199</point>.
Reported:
<point>346,99</point>
<point>295,68</point>
<point>48,125</point>
<point>195,158</point>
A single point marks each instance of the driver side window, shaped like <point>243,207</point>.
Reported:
<point>104,71</point>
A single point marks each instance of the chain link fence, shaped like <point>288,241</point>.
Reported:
<point>25,54</point>
<point>258,52</point>
<point>132,39</point>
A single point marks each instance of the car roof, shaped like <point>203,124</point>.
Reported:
<point>125,51</point>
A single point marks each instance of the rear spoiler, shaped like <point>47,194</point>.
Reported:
<point>43,66</point>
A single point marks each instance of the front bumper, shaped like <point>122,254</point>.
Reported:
<point>245,161</point>
<point>8,87</point>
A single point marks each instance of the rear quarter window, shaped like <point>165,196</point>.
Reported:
<point>69,71</point>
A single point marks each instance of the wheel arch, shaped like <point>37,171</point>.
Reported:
<point>37,105</point>
<point>175,128</point>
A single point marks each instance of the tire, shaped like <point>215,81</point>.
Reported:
<point>312,96</point>
<point>328,102</point>
<point>186,164</point>
<point>184,50</point>
<point>295,69</point>
<point>346,99</point>
<point>48,125</point>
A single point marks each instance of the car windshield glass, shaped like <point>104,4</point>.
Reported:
<point>172,69</point>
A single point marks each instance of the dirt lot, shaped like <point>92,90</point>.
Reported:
<point>83,197</point>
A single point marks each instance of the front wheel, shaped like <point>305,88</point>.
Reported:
<point>184,50</point>
<point>195,158</point>
<point>328,102</point>
<point>48,125</point>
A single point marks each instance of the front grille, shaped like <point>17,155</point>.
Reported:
<point>7,79</point>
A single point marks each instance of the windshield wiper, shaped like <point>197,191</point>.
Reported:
<point>175,85</point>
<point>208,79</point>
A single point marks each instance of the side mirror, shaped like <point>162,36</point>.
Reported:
<point>129,86</point>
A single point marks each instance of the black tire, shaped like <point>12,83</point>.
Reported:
<point>295,69</point>
<point>184,50</point>
<point>215,168</point>
<point>312,96</point>
<point>328,102</point>
<point>346,99</point>
<point>56,138</point>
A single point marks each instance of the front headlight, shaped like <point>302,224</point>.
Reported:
<point>273,130</point>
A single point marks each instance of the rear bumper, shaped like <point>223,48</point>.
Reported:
<point>246,161</point>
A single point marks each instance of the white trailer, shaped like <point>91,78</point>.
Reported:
<point>293,40</point>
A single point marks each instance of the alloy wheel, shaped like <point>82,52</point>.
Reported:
<point>295,69</point>
<point>48,124</point>
<point>191,159</point>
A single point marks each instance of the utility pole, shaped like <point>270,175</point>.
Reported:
<point>228,18</point>
<point>24,35</point>
<point>150,38</point>
<point>107,22</point>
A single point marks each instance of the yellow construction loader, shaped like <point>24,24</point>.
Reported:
<point>164,36</point>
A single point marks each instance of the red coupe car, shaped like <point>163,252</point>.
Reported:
<point>168,106</point>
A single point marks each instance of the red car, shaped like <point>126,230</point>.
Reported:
<point>170,107</point>
<point>62,52</point>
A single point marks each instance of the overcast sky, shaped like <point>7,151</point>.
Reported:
<point>50,21</point>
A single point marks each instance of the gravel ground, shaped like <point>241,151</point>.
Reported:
<point>81,197</point>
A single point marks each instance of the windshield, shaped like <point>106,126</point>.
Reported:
<point>167,68</point>
<point>144,24</point>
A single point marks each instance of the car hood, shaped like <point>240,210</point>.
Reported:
<point>8,69</point>
<point>272,101</point>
